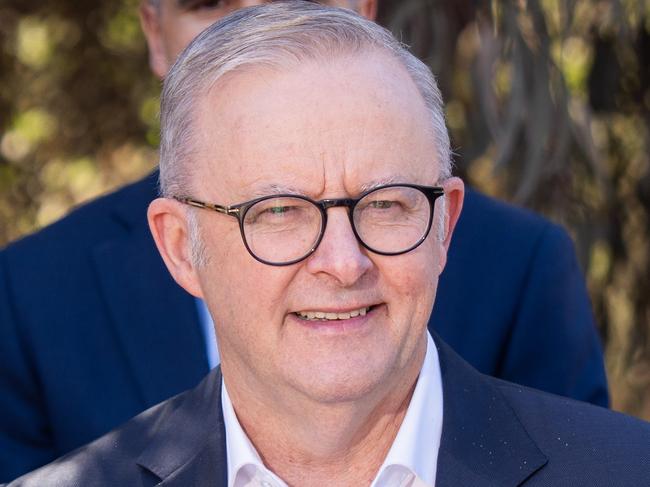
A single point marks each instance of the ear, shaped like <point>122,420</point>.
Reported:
<point>150,22</point>
<point>168,225</point>
<point>367,8</point>
<point>454,195</point>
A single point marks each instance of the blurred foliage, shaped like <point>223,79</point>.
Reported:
<point>76,100</point>
<point>548,104</point>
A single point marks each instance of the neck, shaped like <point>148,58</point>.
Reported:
<point>307,442</point>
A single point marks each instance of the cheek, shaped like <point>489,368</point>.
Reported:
<point>413,277</point>
<point>241,289</point>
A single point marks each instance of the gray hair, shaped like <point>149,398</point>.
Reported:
<point>198,251</point>
<point>275,34</point>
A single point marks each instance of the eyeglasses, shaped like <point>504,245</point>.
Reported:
<point>284,229</point>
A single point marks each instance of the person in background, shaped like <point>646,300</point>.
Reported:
<point>317,242</point>
<point>93,329</point>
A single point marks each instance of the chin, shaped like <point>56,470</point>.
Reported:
<point>344,380</point>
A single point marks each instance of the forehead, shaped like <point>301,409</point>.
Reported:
<point>326,126</point>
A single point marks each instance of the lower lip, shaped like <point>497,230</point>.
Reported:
<point>356,324</point>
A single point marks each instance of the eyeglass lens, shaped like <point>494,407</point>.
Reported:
<point>285,229</point>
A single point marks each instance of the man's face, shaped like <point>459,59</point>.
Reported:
<point>324,130</point>
<point>170,25</point>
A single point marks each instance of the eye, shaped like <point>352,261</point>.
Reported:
<point>382,204</point>
<point>279,210</point>
<point>191,5</point>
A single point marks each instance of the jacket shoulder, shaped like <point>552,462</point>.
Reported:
<point>92,221</point>
<point>585,443</point>
<point>501,223</point>
<point>110,459</point>
<point>64,247</point>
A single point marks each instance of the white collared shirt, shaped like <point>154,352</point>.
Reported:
<point>411,460</point>
<point>209,335</point>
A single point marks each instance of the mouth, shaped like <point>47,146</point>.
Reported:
<point>315,315</point>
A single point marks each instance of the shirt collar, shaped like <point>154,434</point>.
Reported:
<point>418,440</point>
<point>244,463</point>
<point>414,450</point>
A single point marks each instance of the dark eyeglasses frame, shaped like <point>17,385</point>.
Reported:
<point>239,211</point>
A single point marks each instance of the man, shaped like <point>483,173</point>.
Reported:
<point>317,241</point>
<point>93,330</point>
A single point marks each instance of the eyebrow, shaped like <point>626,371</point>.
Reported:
<point>380,182</point>
<point>274,188</point>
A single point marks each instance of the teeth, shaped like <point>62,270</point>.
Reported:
<point>320,315</point>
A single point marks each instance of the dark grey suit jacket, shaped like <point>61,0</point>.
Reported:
<point>494,434</point>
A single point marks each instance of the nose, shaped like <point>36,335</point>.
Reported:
<point>339,254</point>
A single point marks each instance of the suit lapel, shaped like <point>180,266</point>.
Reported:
<point>483,443</point>
<point>184,451</point>
<point>155,320</point>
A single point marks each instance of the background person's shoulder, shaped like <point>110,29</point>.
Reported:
<point>501,242</point>
<point>488,217</point>
<point>92,221</point>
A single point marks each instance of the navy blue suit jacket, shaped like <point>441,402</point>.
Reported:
<point>93,330</point>
<point>494,433</point>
